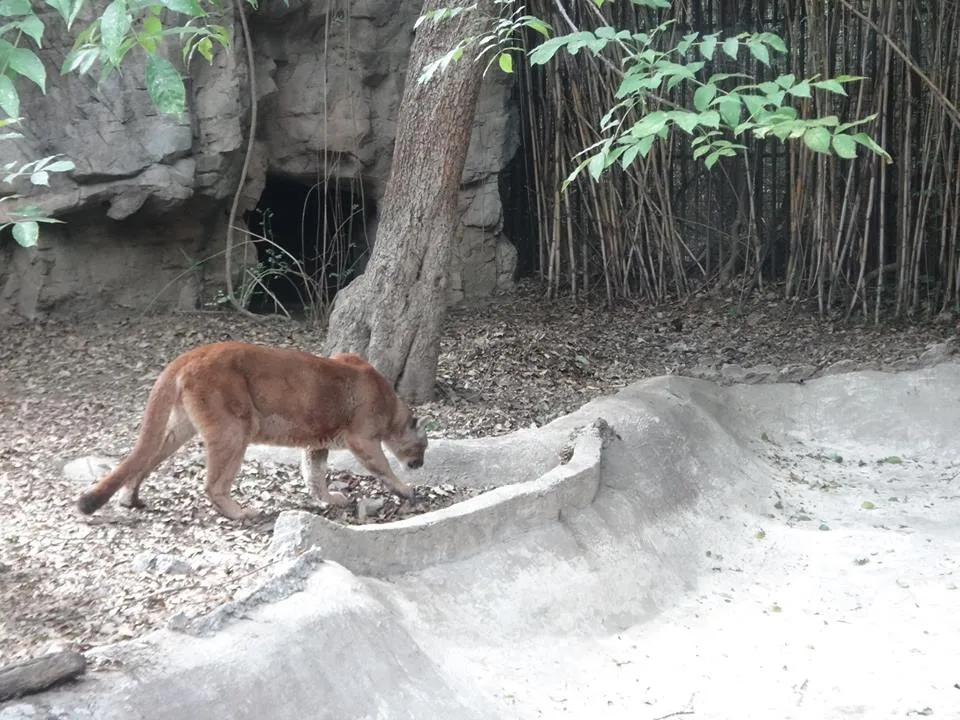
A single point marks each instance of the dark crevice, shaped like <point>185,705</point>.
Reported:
<point>311,240</point>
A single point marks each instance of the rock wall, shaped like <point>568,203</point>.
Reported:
<point>147,204</point>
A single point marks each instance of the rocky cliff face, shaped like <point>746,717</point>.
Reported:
<point>146,207</point>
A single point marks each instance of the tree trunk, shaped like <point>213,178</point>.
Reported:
<point>392,314</point>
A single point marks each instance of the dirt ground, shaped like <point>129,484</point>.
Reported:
<point>76,387</point>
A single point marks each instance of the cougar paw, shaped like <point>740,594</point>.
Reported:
<point>250,513</point>
<point>131,501</point>
<point>405,491</point>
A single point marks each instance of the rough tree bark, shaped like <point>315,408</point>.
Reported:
<point>392,314</point>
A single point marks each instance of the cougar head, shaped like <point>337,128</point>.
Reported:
<point>409,442</point>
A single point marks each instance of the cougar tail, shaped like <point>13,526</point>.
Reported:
<point>152,432</point>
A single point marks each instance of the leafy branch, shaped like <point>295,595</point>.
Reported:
<point>724,107</point>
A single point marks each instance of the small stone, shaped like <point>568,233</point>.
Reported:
<point>161,564</point>
<point>293,533</point>
<point>369,506</point>
<point>88,469</point>
<point>796,373</point>
<point>762,373</point>
<point>841,366</point>
<point>731,372</point>
<point>337,485</point>
<point>704,372</point>
<point>937,353</point>
<point>908,363</point>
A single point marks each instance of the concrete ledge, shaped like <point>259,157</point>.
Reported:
<point>455,532</point>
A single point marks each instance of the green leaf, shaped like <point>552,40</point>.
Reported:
<point>114,25</point>
<point>644,144</point>
<point>830,86</point>
<point>68,9</point>
<point>867,505</point>
<point>506,62</point>
<point>596,165</point>
<point>185,7</point>
<point>165,85</point>
<point>755,104</point>
<point>26,233</point>
<point>846,126</point>
<point>774,41</point>
<point>32,26</point>
<point>708,46</point>
<point>26,63</point>
<point>871,145</point>
<point>544,52</point>
<point>731,46</point>
<point>711,159</point>
<point>760,52</point>
<point>152,25</point>
<point>649,124</point>
<point>786,81</point>
<point>801,89</point>
<point>41,177</point>
<point>711,118</point>
<point>686,120</point>
<point>15,8</point>
<point>845,146</point>
<point>60,166</point>
<point>703,96</point>
<point>817,139</point>
<point>769,88</point>
<point>80,60</point>
<point>539,26</point>
<point>730,110</point>
<point>205,48</point>
<point>9,99</point>
<point>629,155</point>
<point>63,7</point>
<point>687,41</point>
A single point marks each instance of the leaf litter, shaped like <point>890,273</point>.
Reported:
<point>76,386</point>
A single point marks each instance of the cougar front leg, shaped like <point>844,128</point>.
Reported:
<point>370,454</point>
<point>313,466</point>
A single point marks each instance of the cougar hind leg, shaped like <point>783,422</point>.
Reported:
<point>179,431</point>
<point>224,457</point>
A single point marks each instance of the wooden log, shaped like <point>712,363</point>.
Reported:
<point>40,673</point>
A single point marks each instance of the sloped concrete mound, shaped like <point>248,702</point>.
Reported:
<point>802,541</point>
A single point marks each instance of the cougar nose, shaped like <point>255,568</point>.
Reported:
<point>414,464</point>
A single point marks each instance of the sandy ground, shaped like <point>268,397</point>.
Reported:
<point>796,622</point>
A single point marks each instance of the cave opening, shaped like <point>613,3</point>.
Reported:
<point>518,182</point>
<point>311,241</point>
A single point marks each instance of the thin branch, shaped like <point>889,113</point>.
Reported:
<point>228,269</point>
<point>951,109</point>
